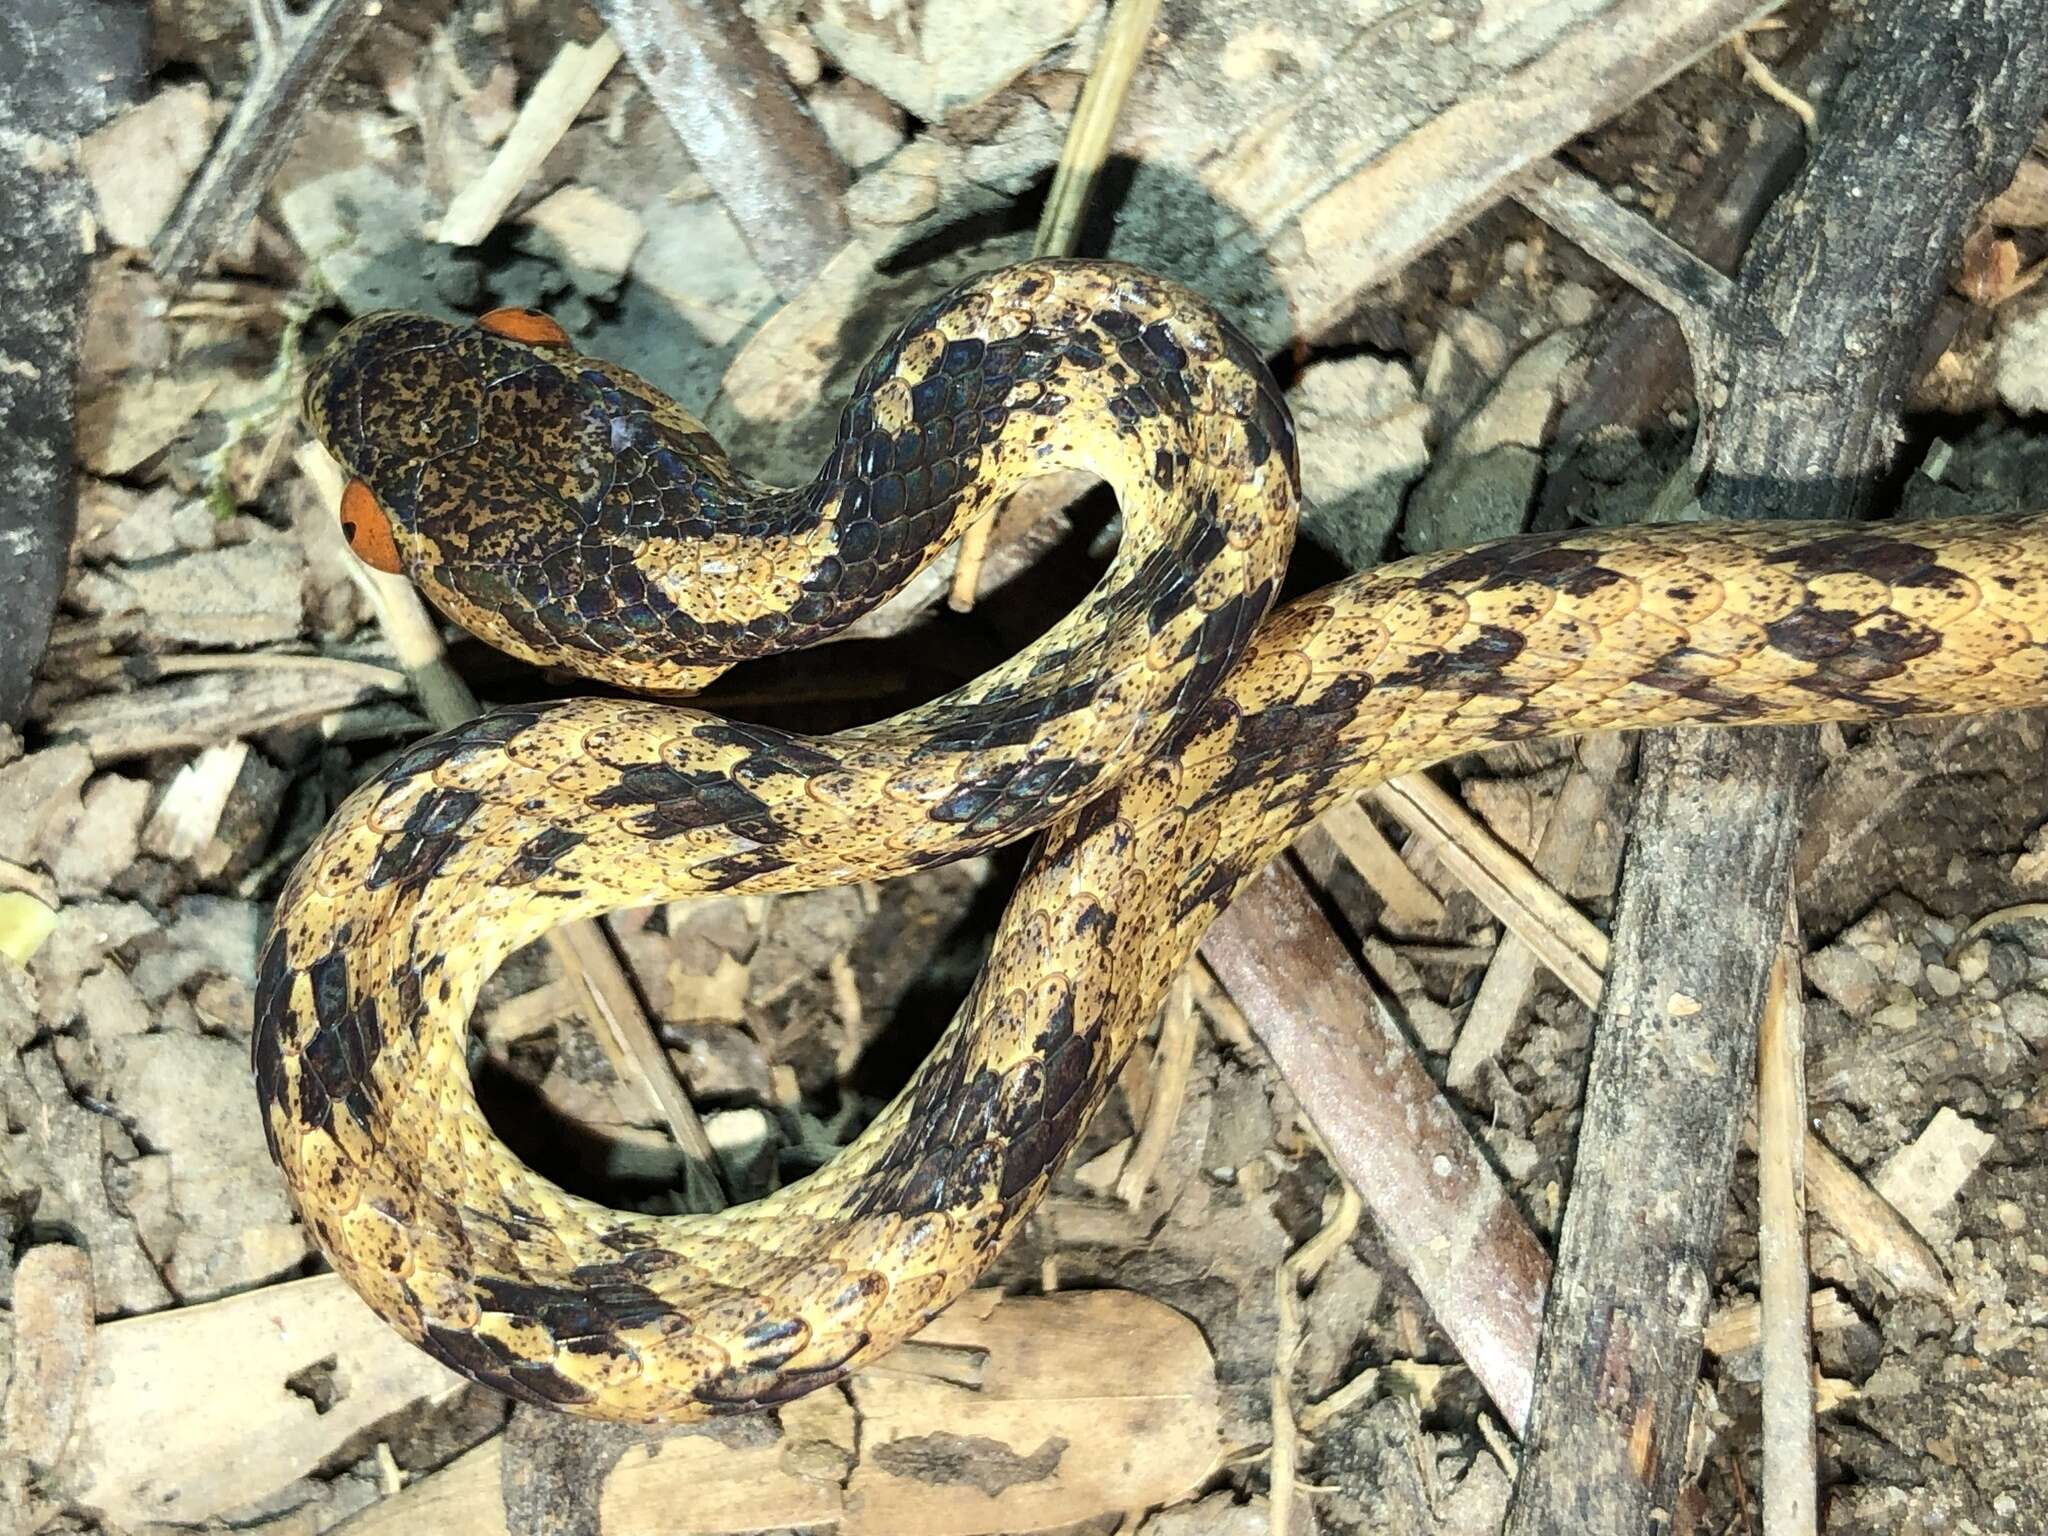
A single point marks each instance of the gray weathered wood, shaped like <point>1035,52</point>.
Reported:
<point>1803,420</point>
<point>729,102</point>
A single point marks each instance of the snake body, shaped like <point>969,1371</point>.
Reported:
<point>1165,740</point>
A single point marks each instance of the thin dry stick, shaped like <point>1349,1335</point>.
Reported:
<point>1408,901</point>
<point>583,949</point>
<point>563,91</point>
<point>1300,1268</point>
<point>1791,1485</point>
<point>295,58</point>
<point>1175,1059</point>
<point>1760,76</point>
<point>1511,974</point>
<point>1550,925</point>
<point>1095,115</point>
<point>1073,180</point>
<point>1498,877</point>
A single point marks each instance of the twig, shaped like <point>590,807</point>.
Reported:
<point>573,77</point>
<point>1791,1486</point>
<point>1878,1235</point>
<point>1577,207</point>
<point>1637,367</point>
<point>1411,904</point>
<point>1300,1268</point>
<point>729,102</point>
<point>80,66</point>
<point>584,949</point>
<point>1094,124</point>
<point>1388,1129</point>
<point>1761,77</point>
<point>295,58</point>
<point>1073,181</point>
<point>1176,1056</point>
<point>202,711</point>
<point>1326,1409</point>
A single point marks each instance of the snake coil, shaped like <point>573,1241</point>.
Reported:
<point>1164,741</point>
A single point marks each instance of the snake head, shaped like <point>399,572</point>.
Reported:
<point>392,393</point>
<point>515,482</point>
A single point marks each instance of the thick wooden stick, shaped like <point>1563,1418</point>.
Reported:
<point>1810,385</point>
<point>1438,1203</point>
<point>752,137</point>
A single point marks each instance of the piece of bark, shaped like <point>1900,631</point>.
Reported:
<point>729,102</point>
<point>202,711</point>
<point>1408,905</point>
<point>1922,1180</point>
<point>1438,1203</point>
<point>1739,1327</point>
<point>1043,1436</point>
<point>1805,396</point>
<point>64,69</point>
<point>194,1411</point>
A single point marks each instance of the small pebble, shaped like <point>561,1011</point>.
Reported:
<point>1943,982</point>
<point>2027,1014</point>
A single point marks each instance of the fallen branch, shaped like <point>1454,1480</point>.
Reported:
<point>735,111</point>
<point>1921,136</point>
<point>1388,1129</point>
<point>296,55</point>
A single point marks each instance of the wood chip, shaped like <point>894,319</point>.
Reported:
<point>53,1353</point>
<point>193,1412</point>
<point>189,813</point>
<point>1739,1327</point>
<point>1044,1437</point>
<point>1922,1180</point>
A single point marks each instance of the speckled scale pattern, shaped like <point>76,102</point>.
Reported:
<point>1168,738</point>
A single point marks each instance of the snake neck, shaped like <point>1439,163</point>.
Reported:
<point>570,513</point>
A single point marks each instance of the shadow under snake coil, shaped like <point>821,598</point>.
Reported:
<point>1163,741</point>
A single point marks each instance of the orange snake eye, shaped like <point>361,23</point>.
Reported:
<point>368,530</point>
<point>527,325</point>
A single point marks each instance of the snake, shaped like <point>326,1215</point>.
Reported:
<point>1161,743</point>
